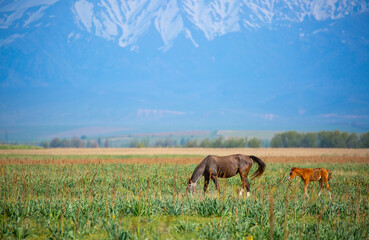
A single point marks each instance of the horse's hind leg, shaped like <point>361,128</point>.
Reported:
<point>245,184</point>
<point>248,187</point>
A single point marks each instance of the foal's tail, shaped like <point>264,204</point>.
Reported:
<point>329,174</point>
<point>261,168</point>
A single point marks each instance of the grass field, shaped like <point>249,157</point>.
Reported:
<point>141,194</point>
<point>12,147</point>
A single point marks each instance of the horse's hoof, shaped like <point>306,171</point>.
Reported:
<point>241,192</point>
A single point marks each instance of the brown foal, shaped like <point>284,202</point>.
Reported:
<point>312,174</point>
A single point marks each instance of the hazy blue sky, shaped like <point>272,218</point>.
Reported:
<point>185,65</point>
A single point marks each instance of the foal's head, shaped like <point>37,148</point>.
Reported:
<point>191,186</point>
<point>292,173</point>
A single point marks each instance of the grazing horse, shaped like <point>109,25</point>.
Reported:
<point>225,167</point>
<point>310,174</point>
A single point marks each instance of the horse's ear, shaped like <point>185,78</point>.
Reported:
<point>189,181</point>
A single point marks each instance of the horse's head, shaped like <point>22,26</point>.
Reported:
<point>191,186</point>
<point>292,174</point>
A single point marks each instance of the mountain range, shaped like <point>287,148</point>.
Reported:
<point>125,22</point>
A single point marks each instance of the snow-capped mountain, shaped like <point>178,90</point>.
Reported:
<point>126,21</point>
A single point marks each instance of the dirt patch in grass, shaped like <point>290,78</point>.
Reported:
<point>260,152</point>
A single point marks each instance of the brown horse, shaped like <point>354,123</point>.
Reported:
<point>310,174</point>
<point>225,167</point>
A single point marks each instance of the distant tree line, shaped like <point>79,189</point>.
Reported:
<point>322,139</point>
<point>140,144</point>
<point>75,142</point>
<point>225,143</point>
<point>205,143</point>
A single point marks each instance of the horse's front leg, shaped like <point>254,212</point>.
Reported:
<point>215,179</point>
<point>206,183</point>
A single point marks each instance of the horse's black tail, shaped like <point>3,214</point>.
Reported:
<point>261,168</point>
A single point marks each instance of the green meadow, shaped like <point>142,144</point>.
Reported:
<point>138,201</point>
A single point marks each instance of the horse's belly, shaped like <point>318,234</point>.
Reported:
<point>226,174</point>
<point>315,178</point>
<point>317,175</point>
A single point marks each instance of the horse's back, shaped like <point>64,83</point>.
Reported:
<point>229,158</point>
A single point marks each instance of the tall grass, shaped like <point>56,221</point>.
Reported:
<point>137,201</point>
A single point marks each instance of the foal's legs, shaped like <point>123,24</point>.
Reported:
<point>321,187</point>
<point>306,184</point>
<point>328,187</point>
